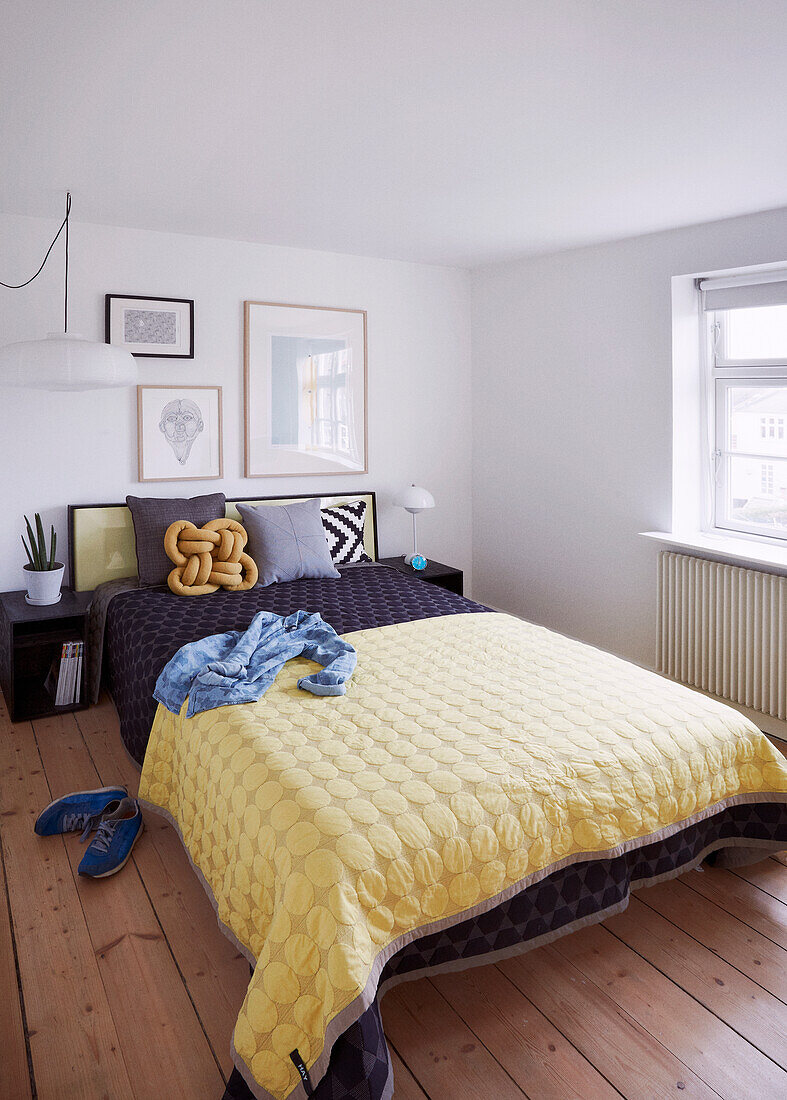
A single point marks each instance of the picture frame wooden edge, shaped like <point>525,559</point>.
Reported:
<point>220,412</point>
<point>294,305</point>
<point>109,298</point>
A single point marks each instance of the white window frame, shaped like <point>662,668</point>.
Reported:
<point>722,374</point>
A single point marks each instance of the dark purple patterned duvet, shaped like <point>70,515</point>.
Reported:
<point>147,626</point>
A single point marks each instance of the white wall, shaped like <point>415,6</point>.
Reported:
<point>61,448</point>
<point>572,425</point>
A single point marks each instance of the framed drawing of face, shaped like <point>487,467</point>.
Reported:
<point>304,390</point>
<point>150,328</point>
<point>179,433</point>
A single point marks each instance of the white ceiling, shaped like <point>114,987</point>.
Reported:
<point>447,131</point>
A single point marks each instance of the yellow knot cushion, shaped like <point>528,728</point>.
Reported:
<point>208,558</point>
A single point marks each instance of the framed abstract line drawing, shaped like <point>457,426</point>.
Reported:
<point>179,433</point>
<point>304,390</point>
<point>151,328</point>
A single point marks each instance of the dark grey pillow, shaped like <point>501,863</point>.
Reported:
<point>153,515</point>
<point>287,541</point>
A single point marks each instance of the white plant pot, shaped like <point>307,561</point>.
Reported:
<point>43,586</point>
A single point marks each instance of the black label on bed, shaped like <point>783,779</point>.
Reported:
<point>297,1061</point>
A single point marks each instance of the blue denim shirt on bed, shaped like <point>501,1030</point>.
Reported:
<point>240,666</point>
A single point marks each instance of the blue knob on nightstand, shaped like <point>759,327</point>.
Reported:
<point>418,562</point>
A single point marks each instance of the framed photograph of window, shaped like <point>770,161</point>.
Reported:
<point>153,328</point>
<point>179,433</point>
<point>304,390</point>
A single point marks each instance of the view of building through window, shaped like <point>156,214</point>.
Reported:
<point>750,384</point>
<point>756,456</point>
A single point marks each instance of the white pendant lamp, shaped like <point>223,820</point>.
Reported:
<point>64,361</point>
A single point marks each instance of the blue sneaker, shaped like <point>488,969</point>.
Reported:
<point>78,811</point>
<point>115,837</point>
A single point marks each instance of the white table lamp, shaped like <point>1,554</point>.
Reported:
<point>414,499</point>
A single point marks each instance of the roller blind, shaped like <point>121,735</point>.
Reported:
<point>745,292</point>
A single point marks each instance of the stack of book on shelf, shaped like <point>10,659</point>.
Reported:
<point>65,676</point>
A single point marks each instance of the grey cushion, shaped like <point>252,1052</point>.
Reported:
<point>287,541</point>
<point>153,515</point>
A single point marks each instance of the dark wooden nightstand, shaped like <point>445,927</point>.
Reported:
<point>444,576</point>
<point>31,639</point>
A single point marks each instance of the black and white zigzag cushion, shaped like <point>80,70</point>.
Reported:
<point>344,526</point>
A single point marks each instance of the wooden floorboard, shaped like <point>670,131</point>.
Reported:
<point>767,876</point>
<point>520,1037</point>
<point>638,1065</point>
<point>722,933</point>
<point>407,1088</point>
<point>752,1012</point>
<point>215,974</point>
<point>75,1048</point>
<point>753,907</point>
<point>714,1051</point>
<point>130,990</point>
<point>444,1055</point>
<point>130,945</point>
<point>14,1074</point>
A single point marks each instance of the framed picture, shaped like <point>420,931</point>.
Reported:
<point>179,433</point>
<point>304,390</point>
<point>153,328</point>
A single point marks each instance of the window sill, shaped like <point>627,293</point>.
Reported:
<point>734,550</point>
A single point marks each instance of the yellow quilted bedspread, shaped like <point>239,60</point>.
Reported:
<point>470,753</point>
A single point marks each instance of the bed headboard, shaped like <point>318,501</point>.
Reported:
<point>101,536</point>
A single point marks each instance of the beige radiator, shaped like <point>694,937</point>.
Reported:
<point>724,629</point>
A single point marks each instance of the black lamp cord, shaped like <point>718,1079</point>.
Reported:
<point>18,286</point>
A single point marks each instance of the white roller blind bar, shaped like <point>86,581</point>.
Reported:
<point>776,276</point>
<point>768,288</point>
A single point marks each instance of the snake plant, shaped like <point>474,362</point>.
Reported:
<point>40,561</point>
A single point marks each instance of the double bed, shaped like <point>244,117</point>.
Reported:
<point>484,786</point>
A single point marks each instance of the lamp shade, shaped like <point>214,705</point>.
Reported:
<point>415,499</point>
<point>65,362</point>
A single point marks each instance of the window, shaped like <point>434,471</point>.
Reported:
<point>746,330</point>
<point>771,427</point>
<point>331,419</point>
